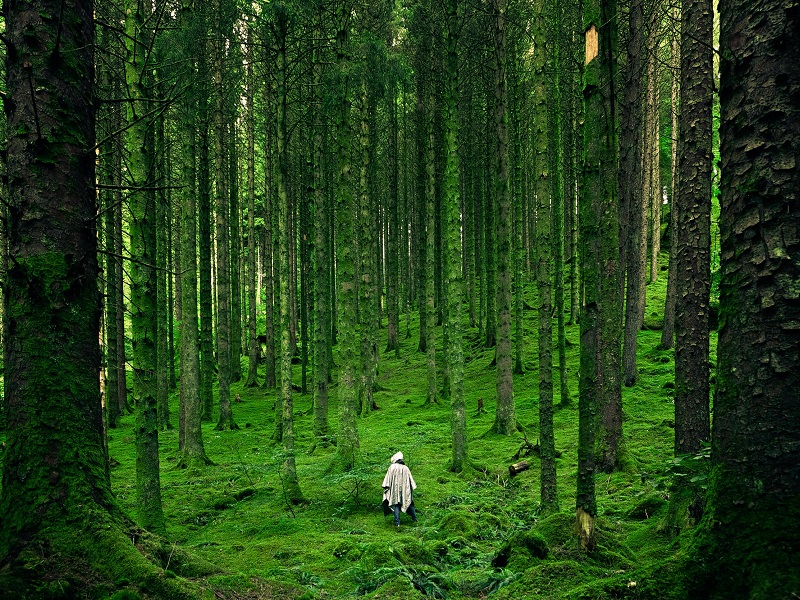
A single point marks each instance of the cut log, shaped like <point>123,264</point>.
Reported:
<point>519,467</point>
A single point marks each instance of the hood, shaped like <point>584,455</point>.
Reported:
<point>397,457</point>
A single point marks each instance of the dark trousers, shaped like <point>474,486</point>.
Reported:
<point>396,510</point>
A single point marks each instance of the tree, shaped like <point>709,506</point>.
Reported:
<point>633,208</point>
<point>143,272</point>
<point>693,204</point>
<point>747,543</point>
<point>55,428</point>
<point>543,188</point>
<point>597,209</point>
<point>253,348</point>
<point>191,434</point>
<point>505,420</point>
<point>347,442</point>
<point>454,281</point>
<point>223,271</point>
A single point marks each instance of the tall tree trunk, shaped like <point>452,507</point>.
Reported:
<point>223,283</point>
<point>55,470</point>
<point>269,246</point>
<point>633,208</point>
<point>204,222</point>
<point>454,280</point>
<point>541,140</point>
<point>289,481</point>
<point>392,250</point>
<point>365,256</point>
<point>597,203</point>
<point>253,347</point>
<point>191,434</point>
<point>505,420</point>
<point>668,329</point>
<point>557,168</point>
<point>163,300</point>
<point>692,388</point>
<point>749,544</point>
<point>653,148</point>
<point>322,261</point>
<point>143,274</point>
<point>430,243</point>
<point>347,441</point>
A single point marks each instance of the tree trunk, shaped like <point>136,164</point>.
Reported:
<point>143,274</point>
<point>55,471</point>
<point>347,441</point>
<point>597,203</point>
<point>668,329</point>
<point>633,208</point>
<point>322,296</point>
<point>541,140</point>
<point>223,283</point>
<point>505,421</point>
<point>253,347</point>
<point>204,223</point>
<point>749,547</point>
<point>191,435</point>
<point>454,280</point>
<point>692,388</point>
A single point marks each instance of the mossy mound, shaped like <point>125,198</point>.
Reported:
<point>397,588</point>
<point>647,507</point>
<point>459,522</point>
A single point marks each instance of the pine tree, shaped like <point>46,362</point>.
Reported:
<point>747,545</point>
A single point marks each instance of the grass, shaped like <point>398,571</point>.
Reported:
<point>340,544</point>
<point>480,533</point>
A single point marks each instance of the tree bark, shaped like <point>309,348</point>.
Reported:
<point>505,420</point>
<point>748,544</point>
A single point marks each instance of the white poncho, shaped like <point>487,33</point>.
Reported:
<point>398,484</point>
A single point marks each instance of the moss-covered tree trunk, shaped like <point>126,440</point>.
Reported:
<point>596,201</point>
<point>430,242</point>
<point>204,218</point>
<point>322,263</point>
<point>347,441</point>
<point>222,229</point>
<point>191,409</point>
<point>365,270</point>
<point>163,299</point>
<point>392,246</point>
<point>454,279</point>
<point>668,328</point>
<point>505,420</point>
<point>542,141</point>
<point>633,213</point>
<point>269,246</point>
<point>749,544</point>
<point>143,272</point>
<point>610,447</point>
<point>253,349</point>
<point>557,64</point>
<point>54,465</point>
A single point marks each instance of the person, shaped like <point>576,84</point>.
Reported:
<point>398,490</point>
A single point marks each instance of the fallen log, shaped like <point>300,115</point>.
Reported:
<point>519,467</point>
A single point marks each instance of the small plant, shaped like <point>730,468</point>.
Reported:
<point>694,469</point>
<point>496,581</point>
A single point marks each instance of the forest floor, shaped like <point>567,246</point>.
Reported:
<point>479,532</point>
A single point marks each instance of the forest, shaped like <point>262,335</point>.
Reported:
<point>548,250</point>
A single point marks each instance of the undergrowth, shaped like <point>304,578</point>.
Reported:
<point>479,533</point>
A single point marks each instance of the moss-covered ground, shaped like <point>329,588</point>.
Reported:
<point>479,532</point>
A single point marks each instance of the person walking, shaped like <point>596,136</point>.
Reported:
<point>398,490</point>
